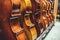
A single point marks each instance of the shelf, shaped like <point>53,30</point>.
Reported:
<point>16,10</point>
<point>44,34</point>
<point>13,17</point>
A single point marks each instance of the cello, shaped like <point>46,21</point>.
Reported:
<point>27,20</point>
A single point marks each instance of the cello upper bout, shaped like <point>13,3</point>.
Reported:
<point>6,9</point>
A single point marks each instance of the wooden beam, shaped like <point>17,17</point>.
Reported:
<point>55,9</point>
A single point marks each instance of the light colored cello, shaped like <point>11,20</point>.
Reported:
<point>27,20</point>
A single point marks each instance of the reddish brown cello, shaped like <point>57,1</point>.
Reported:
<point>17,29</point>
<point>36,8</point>
<point>4,15</point>
<point>43,18</point>
<point>15,22</point>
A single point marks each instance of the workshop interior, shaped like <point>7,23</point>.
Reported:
<point>29,19</point>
